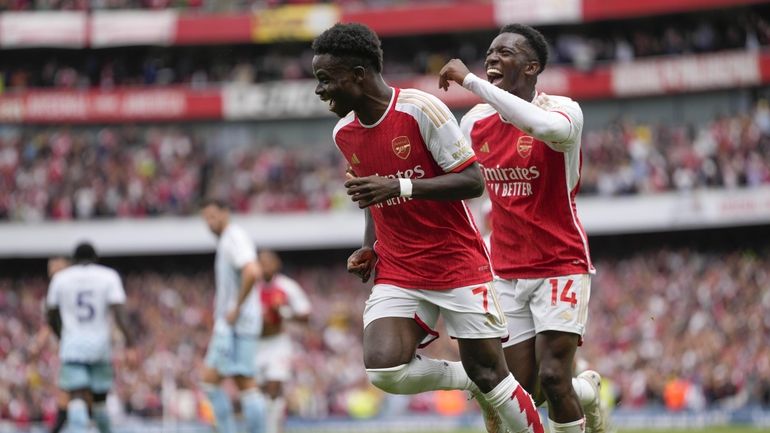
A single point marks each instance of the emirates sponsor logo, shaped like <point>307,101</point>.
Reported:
<point>402,147</point>
<point>505,174</point>
<point>524,146</point>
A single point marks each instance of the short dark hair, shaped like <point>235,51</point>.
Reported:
<point>353,41</point>
<point>534,38</point>
<point>85,252</point>
<point>213,201</point>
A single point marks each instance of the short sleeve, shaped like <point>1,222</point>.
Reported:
<point>239,248</point>
<point>116,294</point>
<point>439,130</point>
<point>298,300</point>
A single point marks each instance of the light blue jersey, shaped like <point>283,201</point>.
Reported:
<point>234,250</point>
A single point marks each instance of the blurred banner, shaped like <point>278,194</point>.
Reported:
<point>124,105</point>
<point>296,23</point>
<point>297,99</point>
<point>123,28</point>
<point>43,29</point>
<point>536,12</point>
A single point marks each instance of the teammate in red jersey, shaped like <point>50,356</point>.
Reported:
<point>528,145</point>
<point>282,300</point>
<point>411,169</point>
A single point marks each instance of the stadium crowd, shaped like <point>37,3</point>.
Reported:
<point>65,173</point>
<point>582,47</point>
<point>657,319</point>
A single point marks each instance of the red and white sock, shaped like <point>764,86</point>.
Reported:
<point>515,406</point>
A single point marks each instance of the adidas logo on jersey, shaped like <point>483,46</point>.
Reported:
<point>354,160</point>
<point>484,148</point>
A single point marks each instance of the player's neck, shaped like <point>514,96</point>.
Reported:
<point>375,102</point>
<point>526,93</point>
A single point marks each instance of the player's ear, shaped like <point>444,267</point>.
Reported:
<point>359,72</point>
<point>532,68</point>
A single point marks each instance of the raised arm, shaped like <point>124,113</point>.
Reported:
<point>540,117</point>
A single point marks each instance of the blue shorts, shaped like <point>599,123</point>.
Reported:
<point>96,377</point>
<point>231,354</point>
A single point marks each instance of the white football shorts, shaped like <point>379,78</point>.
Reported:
<point>471,312</point>
<point>544,304</point>
<point>273,362</point>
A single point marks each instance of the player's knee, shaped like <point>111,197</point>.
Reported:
<point>379,358</point>
<point>554,379</point>
<point>486,377</point>
<point>388,379</point>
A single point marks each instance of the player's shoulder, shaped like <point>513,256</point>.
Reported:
<point>234,231</point>
<point>342,123</point>
<point>284,280</point>
<point>425,105</point>
<point>102,270</point>
<point>556,102</point>
<point>478,112</point>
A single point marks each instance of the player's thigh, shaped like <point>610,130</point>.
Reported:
<point>556,351</point>
<point>276,353</point>
<point>393,325</point>
<point>519,346</point>
<point>514,298</point>
<point>74,376</point>
<point>470,312</point>
<point>561,304</point>
<point>242,362</point>
<point>221,349</point>
<point>101,377</point>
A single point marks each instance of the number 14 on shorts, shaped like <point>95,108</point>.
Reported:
<point>566,295</point>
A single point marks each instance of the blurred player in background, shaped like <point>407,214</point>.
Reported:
<point>237,323</point>
<point>411,168</point>
<point>80,299</point>
<point>282,299</point>
<point>528,144</point>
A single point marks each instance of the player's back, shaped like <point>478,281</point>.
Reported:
<point>83,294</point>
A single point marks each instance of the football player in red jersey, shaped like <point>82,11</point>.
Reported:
<point>282,299</point>
<point>412,168</point>
<point>528,145</point>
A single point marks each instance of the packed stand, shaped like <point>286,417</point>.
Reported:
<point>582,47</point>
<point>657,319</point>
<point>634,158</point>
<point>63,173</point>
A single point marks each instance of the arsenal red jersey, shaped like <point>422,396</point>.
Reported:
<point>536,232</point>
<point>421,244</point>
<point>279,293</point>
